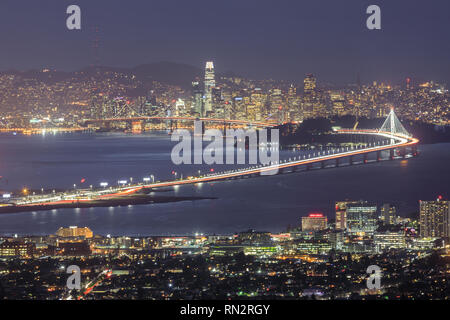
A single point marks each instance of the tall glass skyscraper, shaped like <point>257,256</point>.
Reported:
<point>210,83</point>
<point>309,84</point>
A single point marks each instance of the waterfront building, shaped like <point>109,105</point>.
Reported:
<point>75,232</point>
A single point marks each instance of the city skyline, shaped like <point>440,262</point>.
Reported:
<point>330,40</point>
<point>238,152</point>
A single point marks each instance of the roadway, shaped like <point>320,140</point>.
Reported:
<point>397,141</point>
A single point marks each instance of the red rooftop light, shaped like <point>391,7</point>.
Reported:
<point>315,215</point>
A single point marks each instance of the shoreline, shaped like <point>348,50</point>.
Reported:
<point>114,202</point>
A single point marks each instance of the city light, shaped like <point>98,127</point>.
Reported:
<point>318,200</point>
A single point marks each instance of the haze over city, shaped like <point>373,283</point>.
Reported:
<point>224,157</point>
<point>255,39</point>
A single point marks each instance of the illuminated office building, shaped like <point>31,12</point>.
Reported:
<point>254,237</point>
<point>338,103</point>
<point>388,214</point>
<point>260,251</point>
<point>389,240</point>
<point>210,83</point>
<point>434,218</point>
<point>314,222</point>
<point>197,104</point>
<point>309,84</point>
<point>313,246</point>
<point>75,232</point>
<point>361,218</point>
<point>17,249</point>
<point>341,214</point>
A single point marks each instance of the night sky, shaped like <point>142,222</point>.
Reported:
<point>257,38</point>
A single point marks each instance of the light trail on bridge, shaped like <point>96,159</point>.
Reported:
<point>399,141</point>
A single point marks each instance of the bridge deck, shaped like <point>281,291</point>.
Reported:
<point>399,141</point>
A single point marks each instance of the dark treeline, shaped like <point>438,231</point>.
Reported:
<point>313,130</point>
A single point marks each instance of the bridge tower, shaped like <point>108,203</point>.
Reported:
<point>393,125</point>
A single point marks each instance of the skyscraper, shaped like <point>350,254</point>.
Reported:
<point>434,218</point>
<point>197,103</point>
<point>210,83</point>
<point>341,214</point>
<point>309,84</point>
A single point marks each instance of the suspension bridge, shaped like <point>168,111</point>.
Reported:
<point>391,142</point>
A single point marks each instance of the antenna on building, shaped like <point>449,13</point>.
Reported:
<point>95,46</point>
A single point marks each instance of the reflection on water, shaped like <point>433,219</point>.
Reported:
<point>267,203</point>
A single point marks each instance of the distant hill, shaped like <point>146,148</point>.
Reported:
<point>47,77</point>
<point>168,72</point>
<point>165,72</point>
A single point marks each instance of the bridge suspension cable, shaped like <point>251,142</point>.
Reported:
<point>393,125</point>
